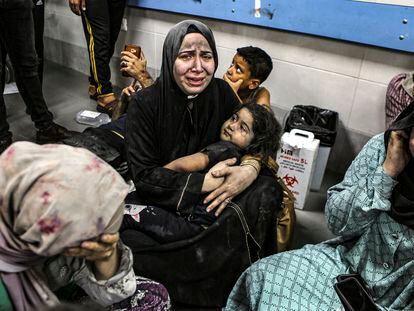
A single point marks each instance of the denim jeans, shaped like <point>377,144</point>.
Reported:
<point>17,40</point>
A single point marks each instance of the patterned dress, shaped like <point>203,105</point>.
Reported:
<point>371,243</point>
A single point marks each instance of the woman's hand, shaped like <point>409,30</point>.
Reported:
<point>397,154</point>
<point>132,65</point>
<point>77,6</point>
<point>103,253</point>
<point>211,182</point>
<point>236,180</point>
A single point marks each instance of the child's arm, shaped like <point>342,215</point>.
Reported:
<point>234,85</point>
<point>263,98</point>
<point>191,163</point>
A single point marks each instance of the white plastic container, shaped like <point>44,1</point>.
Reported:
<point>296,160</point>
<point>92,118</point>
<point>320,167</point>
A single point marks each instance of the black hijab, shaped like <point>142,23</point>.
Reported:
<point>172,46</point>
<point>402,202</point>
<point>193,123</point>
<point>164,123</point>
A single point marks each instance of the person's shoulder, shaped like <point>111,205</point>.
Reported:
<point>375,145</point>
<point>377,139</point>
<point>263,97</point>
<point>221,84</point>
<point>144,99</point>
<point>226,92</point>
<point>263,91</point>
<point>146,94</point>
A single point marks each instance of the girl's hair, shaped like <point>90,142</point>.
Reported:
<point>266,129</point>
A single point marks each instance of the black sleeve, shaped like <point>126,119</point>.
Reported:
<point>155,184</point>
<point>221,151</point>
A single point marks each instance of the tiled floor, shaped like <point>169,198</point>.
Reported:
<point>65,91</point>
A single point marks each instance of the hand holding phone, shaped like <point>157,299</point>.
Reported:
<point>133,49</point>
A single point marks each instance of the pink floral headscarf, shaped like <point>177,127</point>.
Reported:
<point>51,197</point>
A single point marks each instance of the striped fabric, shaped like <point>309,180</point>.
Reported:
<point>397,98</point>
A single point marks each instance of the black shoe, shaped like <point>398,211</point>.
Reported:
<point>53,134</point>
<point>5,143</point>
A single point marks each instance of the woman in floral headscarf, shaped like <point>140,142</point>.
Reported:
<point>60,210</point>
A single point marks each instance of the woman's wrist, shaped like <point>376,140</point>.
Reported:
<point>104,269</point>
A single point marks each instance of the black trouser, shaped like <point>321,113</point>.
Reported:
<point>39,26</point>
<point>101,24</point>
<point>17,40</point>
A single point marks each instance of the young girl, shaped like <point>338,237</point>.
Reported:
<point>252,129</point>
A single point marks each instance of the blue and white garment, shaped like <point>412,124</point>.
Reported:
<point>371,243</point>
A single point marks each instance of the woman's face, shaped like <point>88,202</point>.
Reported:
<point>194,66</point>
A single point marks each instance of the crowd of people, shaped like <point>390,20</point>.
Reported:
<point>196,226</point>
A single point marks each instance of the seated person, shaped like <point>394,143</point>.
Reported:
<point>372,212</point>
<point>252,129</point>
<point>250,68</point>
<point>400,93</point>
<point>181,114</point>
<point>60,211</point>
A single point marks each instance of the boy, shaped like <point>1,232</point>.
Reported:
<point>250,67</point>
<point>251,129</point>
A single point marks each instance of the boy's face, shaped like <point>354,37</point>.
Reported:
<point>240,69</point>
<point>238,129</point>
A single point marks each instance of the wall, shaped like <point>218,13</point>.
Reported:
<point>344,77</point>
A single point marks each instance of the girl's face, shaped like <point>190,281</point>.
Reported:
<point>238,129</point>
<point>194,66</point>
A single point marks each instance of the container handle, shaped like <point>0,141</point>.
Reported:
<point>297,133</point>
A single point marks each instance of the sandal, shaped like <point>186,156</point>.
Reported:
<point>93,94</point>
<point>107,106</point>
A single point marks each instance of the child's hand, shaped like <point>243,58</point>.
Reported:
<point>234,85</point>
<point>129,90</point>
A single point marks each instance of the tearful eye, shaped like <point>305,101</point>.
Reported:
<point>185,56</point>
